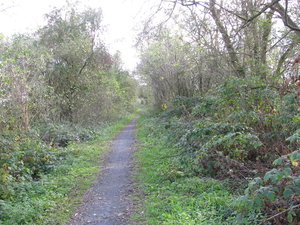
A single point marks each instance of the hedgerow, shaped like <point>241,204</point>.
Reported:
<point>236,131</point>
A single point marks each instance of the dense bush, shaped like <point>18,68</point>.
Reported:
<point>235,131</point>
<point>277,192</point>
<point>40,183</point>
<point>23,158</point>
<point>26,156</point>
<point>242,119</point>
<point>60,134</point>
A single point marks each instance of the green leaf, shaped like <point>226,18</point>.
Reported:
<point>270,195</point>
<point>274,175</point>
<point>297,190</point>
<point>267,176</point>
<point>274,189</point>
<point>290,215</point>
<point>258,201</point>
<point>296,155</point>
<point>292,138</point>
<point>278,161</point>
<point>258,180</point>
<point>296,118</point>
<point>287,171</point>
<point>297,180</point>
<point>287,193</point>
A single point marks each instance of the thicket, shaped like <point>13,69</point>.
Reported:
<point>246,130</point>
<point>58,85</point>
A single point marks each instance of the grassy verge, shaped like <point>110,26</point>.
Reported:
<point>52,198</point>
<point>172,197</point>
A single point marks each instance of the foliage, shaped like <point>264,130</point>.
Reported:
<point>23,160</point>
<point>41,184</point>
<point>233,132</point>
<point>78,58</point>
<point>240,120</point>
<point>171,195</point>
<point>204,43</point>
<point>63,72</point>
<point>167,68</point>
<point>24,94</point>
<point>277,192</point>
<point>59,87</point>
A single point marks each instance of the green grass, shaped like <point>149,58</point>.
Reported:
<point>173,197</point>
<point>53,198</point>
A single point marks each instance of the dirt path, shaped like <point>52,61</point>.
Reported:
<point>107,201</point>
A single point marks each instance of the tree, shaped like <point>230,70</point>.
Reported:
<point>245,48</point>
<point>282,11</point>
<point>72,37</point>
<point>238,36</point>
<point>23,87</point>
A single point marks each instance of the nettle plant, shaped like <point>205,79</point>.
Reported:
<point>278,192</point>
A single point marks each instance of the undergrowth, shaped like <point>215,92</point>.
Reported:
<point>41,183</point>
<point>242,130</point>
<point>172,195</point>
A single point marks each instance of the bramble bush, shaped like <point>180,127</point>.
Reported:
<point>60,134</point>
<point>278,191</point>
<point>241,119</point>
<point>235,131</point>
<point>23,158</point>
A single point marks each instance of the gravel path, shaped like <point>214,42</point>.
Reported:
<point>107,202</point>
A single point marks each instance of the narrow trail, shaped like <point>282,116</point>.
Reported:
<point>107,201</point>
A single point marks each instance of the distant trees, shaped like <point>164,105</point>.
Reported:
<point>165,68</point>
<point>225,38</point>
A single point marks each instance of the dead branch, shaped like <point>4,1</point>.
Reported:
<point>278,214</point>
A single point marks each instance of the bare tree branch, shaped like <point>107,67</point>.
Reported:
<point>280,39</point>
<point>174,6</point>
<point>260,12</point>
<point>287,21</point>
<point>4,9</point>
<point>186,3</point>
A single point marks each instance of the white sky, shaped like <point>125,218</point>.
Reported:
<point>120,16</point>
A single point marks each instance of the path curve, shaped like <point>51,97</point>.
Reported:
<point>107,201</point>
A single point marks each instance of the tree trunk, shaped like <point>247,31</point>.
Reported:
<point>238,68</point>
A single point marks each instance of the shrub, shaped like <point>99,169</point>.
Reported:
<point>241,121</point>
<point>277,193</point>
<point>23,157</point>
<point>60,134</point>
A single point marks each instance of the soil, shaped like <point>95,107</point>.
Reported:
<point>108,202</point>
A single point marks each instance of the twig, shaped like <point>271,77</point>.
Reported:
<point>278,214</point>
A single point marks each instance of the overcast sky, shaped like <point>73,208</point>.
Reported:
<point>120,16</point>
